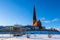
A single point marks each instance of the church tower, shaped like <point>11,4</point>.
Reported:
<point>34,17</point>
<point>34,20</point>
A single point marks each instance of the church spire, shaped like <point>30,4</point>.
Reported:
<point>34,16</point>
<point>34,21</point>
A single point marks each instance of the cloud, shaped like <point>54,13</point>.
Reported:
<point>49,21</point>
<point>46,21</point>
<point>54,20</point>
<point>42,18</point>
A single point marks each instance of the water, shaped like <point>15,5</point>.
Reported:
<point>31,32</point>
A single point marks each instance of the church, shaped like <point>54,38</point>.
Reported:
<point>35,22</point>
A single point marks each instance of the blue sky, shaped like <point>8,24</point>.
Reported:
<point>21,11</point>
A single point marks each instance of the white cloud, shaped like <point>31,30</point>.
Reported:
<point>54,20</point>
<point>46,21</point>
<point>42,18</point>
<point>49,21</point>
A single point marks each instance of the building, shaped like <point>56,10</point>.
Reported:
<point>35,22</point>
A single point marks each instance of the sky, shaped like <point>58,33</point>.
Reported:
<point>21,11</point>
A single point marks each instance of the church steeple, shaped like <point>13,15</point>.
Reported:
<point>34,16</point>
<point>34,20</point>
